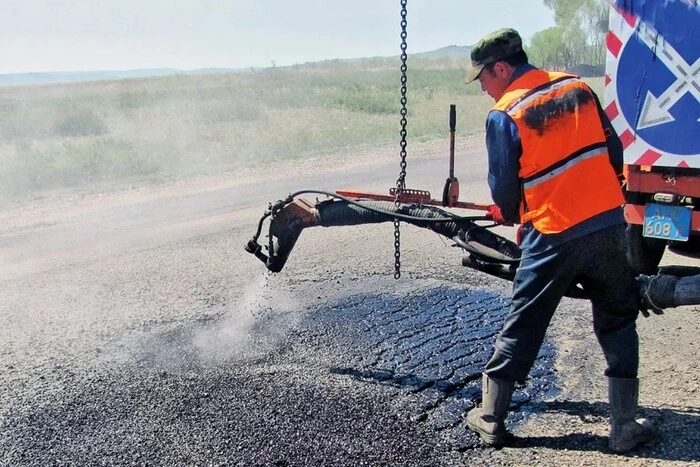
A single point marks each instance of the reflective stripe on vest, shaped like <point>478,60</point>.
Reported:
<point>553,171</point>
<point>564,168</point>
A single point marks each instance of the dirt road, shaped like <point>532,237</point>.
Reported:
<point>134,329</point>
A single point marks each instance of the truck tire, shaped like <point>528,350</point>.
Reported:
<point>644,254</point>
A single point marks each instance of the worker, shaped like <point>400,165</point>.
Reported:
<point>554,166</point>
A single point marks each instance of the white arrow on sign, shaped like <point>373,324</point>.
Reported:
<point>655,110</point>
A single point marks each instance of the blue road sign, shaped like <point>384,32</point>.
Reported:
<point>658,75</point>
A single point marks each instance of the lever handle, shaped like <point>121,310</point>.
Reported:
<point>453,124</point>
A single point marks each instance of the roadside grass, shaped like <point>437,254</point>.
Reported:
<point>130,131</point>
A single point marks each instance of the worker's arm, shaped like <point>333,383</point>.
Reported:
<point>504,150</point>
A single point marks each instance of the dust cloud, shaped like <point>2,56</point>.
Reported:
<point>257,324</point>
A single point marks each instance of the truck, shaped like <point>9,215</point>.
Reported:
<point>652,97</point>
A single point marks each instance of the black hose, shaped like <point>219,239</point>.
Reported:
<point>396,215</point>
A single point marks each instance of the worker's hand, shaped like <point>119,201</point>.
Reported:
<point>645,304</point>
<point>494,212</point>
<point>519,235</point>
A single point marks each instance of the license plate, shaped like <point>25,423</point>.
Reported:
<point>667,222</point>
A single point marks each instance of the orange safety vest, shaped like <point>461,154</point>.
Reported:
<point>565,169</point>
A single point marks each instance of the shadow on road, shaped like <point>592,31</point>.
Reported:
<point>676,438</point>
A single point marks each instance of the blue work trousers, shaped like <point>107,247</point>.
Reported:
<point>598,263</point>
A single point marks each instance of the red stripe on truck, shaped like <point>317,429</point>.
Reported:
<point>614,44</point>
<point>612,111</point>
<point>648,158</point>
<point>627,139</point>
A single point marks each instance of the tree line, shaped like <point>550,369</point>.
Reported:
<point>578,39</point>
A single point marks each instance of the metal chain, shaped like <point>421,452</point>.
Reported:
<point>401,181</point>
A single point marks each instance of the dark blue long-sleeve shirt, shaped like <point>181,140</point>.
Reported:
<point>504,151</point>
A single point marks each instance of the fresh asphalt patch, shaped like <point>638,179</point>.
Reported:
<point>373,376</point>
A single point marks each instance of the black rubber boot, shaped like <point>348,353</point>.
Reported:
<point>488,421</point>
<point>626,433</point>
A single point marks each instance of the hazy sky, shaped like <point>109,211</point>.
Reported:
<point>76,35</point>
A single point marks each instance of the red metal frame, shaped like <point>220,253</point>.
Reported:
<point>656,182</point>
<point>641,181</point>
<point>412,196</point>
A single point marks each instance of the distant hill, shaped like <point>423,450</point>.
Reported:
<point>452,52</point>
<point>23,79</point>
